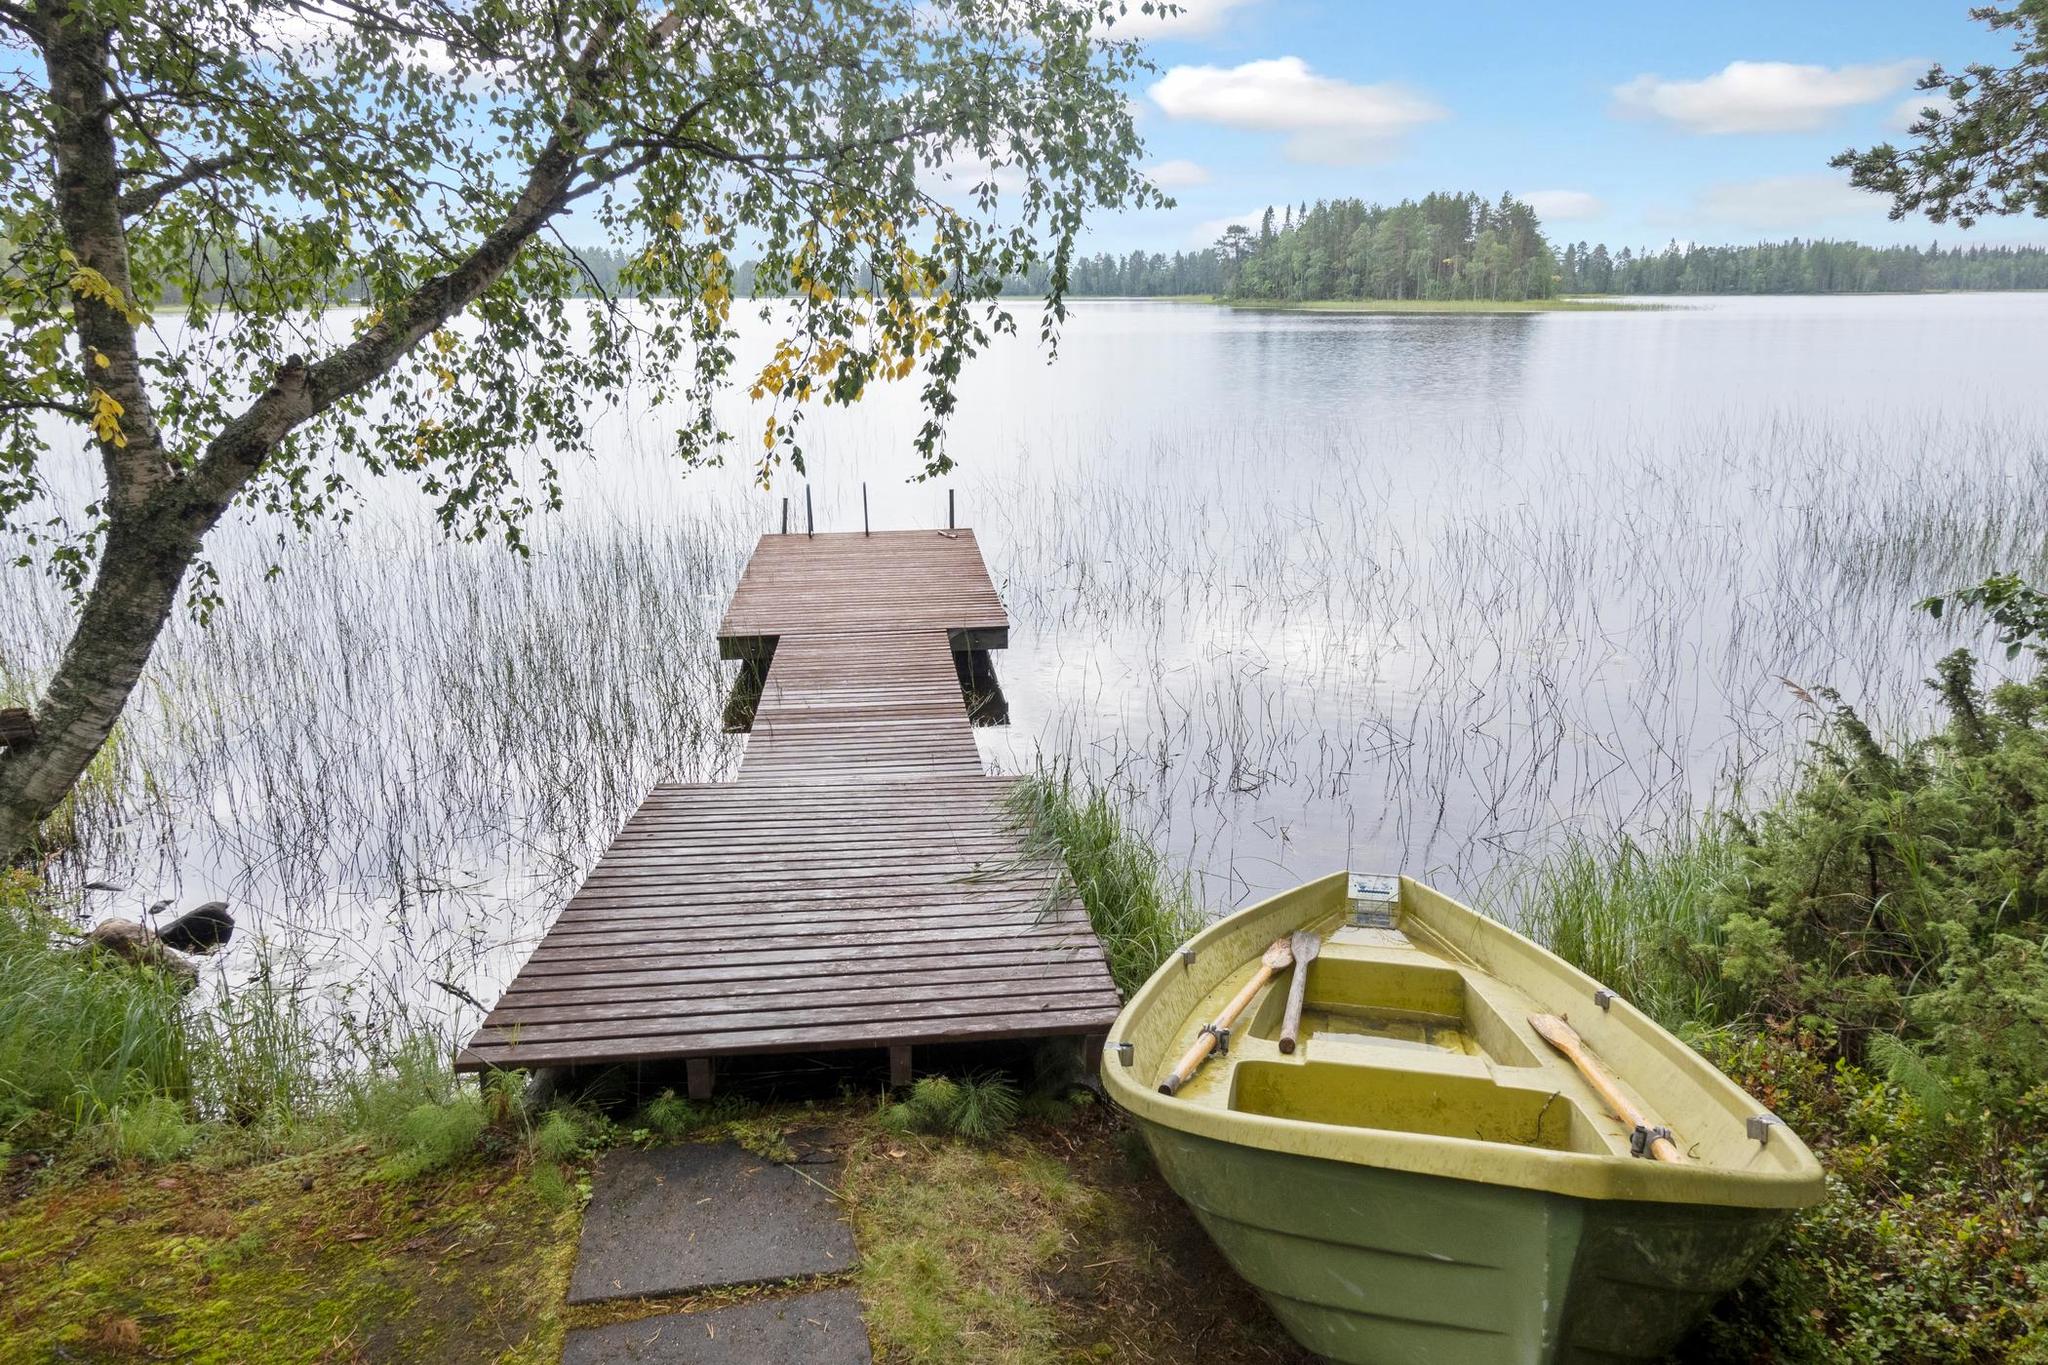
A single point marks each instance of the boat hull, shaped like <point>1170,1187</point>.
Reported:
<point>1381,1267</point>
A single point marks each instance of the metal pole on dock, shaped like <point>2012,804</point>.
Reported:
<point>785,515</point>
<point>950,526</point>
<point>810,524</point>
<point>864,509</point>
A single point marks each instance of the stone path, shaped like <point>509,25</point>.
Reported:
<point>682,1219</point>
<point>819,1328</point>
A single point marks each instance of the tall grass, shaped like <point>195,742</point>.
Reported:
<point>82,1040</point>
<point>1639,918</point>
<point>105,1056</point>
<point>1141,909</point>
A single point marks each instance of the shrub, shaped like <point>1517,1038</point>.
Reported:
<point>1866,957</point>
<point>980,1107</point>
<point>562,1135</point>
<point>376,1102</point>
<point>669,1115</point>
<point>1901,890</point>
<point>1929,1246</point>
<point>431,1137</point>
<point>152,1128</point>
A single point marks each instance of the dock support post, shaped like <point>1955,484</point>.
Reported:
<point>864,509</point>
<point>949,511</point>
<point>899,1066</point>
<point>698,1072</point>
<point>810,523</point>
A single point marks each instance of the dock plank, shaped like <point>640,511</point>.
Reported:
<point>858,885</point>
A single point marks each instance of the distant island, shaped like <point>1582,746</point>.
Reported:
<point>1453,248</point>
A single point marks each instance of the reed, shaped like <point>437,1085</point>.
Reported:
<point>1141,909</point>
<point>1639,918</point>
<point>1287,644</point>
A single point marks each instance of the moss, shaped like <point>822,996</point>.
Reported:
<point>313,1257</point>
<point>1045,1245</point>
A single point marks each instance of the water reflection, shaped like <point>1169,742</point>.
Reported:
<point>1314,591</point>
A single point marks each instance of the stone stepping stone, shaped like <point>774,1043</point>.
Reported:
<point>699,1216</point>
<point>819,1328</point>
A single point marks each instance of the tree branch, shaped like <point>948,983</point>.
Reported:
<point>77,411</point>
<point>143,198</point>
<point>301,391</point>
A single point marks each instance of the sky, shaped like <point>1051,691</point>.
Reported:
<point>1625,123</point>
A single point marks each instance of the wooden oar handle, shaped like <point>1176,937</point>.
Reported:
<point>1554,1030</point>
<point>1297,996</point>
<point>1204,1045</point>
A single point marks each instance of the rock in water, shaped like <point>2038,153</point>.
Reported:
<point>200,930</point>
<point>126,939</point>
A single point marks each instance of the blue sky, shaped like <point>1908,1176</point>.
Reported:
<point>1626,123</point>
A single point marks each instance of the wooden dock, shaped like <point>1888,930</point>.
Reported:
<point>857,887</point>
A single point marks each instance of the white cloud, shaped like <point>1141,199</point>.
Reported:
<point>1556,205</point>
<point>1208,230</point>
<point>1195,20</point>
<point>1177,174</point>
<point>1908,111</point>
<point>1795,203</point>
<point>1327,120</point>
<point>1762,97</point>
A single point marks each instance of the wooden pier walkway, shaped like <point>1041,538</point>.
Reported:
<point>857,887</point>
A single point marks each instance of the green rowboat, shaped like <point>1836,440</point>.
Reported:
<point>1424,1180</point>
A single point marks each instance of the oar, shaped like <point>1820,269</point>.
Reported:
<point>1276,959</point>
<point>1305,946</point>
<point>1555,1031</point>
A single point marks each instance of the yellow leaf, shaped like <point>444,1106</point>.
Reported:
<point>99,358</point>
<point>675,219</point>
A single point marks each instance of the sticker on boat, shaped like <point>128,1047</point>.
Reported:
<point>1374,898</point>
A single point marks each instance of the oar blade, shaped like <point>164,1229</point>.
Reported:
<point>1553,1029</point>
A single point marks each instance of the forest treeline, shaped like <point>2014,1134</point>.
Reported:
<point>1464,246</point>
<point>1799,267</point>
<point>1460,246</point>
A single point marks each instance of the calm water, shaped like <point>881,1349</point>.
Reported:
<point>1415,593</point>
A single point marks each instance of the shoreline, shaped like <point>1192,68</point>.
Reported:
<point>1412,306</point>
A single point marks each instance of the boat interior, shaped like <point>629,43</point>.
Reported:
<point>1416,1021</point>
<point>1393,1038</point>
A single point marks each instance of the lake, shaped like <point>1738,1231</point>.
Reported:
<point>1416,593</point>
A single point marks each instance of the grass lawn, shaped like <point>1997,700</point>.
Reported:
<point>1056,1243</point>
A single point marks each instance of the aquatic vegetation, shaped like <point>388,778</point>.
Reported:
<point>1141,910</point>
<point>1380,633</point>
